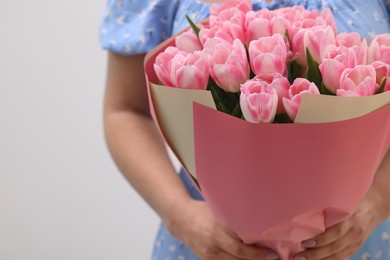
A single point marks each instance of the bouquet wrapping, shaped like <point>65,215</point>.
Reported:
<point>278,184</point>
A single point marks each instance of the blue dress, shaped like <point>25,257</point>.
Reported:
<point>136,26</point>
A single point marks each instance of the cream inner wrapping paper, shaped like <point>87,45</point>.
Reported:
<point>174,109</point>
<point>324,109</point>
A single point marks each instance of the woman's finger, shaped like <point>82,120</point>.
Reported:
<point>231,243</point>
<point>235,250</point>
<point>242,251</point>
<point>330,235</point>
<point>349,251</point>
<point>336,249</point>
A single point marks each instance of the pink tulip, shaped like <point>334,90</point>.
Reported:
<point>310,29</point>
<point>379,49</point>
<point>354,41</point>
<point>316,40</point>
<point>361,52</point>
<point>268,56</point>
<point>229,65</point>
<point>358,81</point>
<point>231,21</point>
<point>331,70</point>
<point>227,15</point>
<point>327,16</point>
<point>336,60</point>
<point>348,39</point>
<point>217,33</point>
<point>189,71</point>
<point>258,101</point>
<point>382,70</point>
<point>211,38</point>
<point>280,25</point>
<point>257,25</point>
<point>382,73</point>
<point>305,19</point>
<point>290,13</point>
<point>240,5</point>
<point>264,23</point>
<point>300,25</point>
<point>162,65</point>
<point>235,28</point>
<point>299,87</point>
<point>281,85</point>
<point>188,42</point>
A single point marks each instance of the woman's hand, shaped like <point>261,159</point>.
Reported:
<point>345,238</point>
<point>196,227</point>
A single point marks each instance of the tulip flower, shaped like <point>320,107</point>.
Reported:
<point>189,71</point>
<point>188,42</point>
<point>281,85</point>
<point>379,49</point>
<point>231,21</point>
<point>348,39</point>
<point>316,40</point>
<point>258,101</point>
<point>264,23</point>
<point>162,66</point>
<point>268,56</point>
<point>229,65</point>
<point>327,16</point>
<point>240,5</point>
<point>382,73</point>
<point>354,41</point>
<point>336,60</point>
<point>299,87</point>
<point>382,70</point>
<point>304,19</point>
<point>257,25</point>
<point>358,81</point>
<point>217,34</point>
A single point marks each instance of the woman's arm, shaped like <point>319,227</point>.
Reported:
<point>139,152</point>
<point>133,139</point>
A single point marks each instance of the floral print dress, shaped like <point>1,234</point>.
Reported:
<point>132,27</point>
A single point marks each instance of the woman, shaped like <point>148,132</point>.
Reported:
<point>131,28</point>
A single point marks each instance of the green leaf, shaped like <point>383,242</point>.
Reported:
<point>282,119</point>
<point>194,27</point>
<point>313,73</point>
<point>237,111</point>
<point>382,87</point>
<point>294,71</point>
<point>226,102</point>
<point>216,94</point>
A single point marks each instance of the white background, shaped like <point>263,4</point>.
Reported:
<point>61,196</point>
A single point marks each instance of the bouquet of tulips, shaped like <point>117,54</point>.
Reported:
<point>326,95</point>
<point>263,62</point>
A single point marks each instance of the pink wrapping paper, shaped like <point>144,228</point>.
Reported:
<point>277,184</point>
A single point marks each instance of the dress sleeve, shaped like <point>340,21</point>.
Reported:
<point>136,26</point>
<point>387,4</point>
